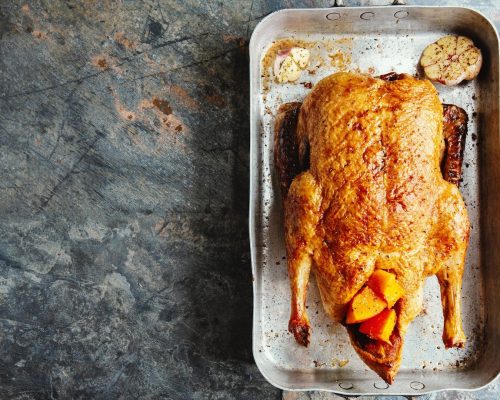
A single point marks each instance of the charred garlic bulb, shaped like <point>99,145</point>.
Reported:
<point>451,59</point>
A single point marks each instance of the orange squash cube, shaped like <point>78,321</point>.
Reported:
<point>380,326</point>
<point>385,285</point>
<point>364,305</point>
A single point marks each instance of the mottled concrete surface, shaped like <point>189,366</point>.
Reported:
<point>124,254</point>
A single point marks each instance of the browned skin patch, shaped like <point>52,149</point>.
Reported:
<point>25,8</point>
<point>162,105</point>
<point>286,153</point>
<point>455,131</point>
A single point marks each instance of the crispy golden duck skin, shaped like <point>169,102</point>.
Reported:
<point>368,169</point>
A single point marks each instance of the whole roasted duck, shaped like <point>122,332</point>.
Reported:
<point>369,171</point>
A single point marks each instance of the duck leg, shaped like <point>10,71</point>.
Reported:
<point>301,198</point>
<point>302,213</point>
<point>452,234</point>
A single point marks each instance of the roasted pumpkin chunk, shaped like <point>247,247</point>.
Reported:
<point>364,305</point>
<point>385,285</point>
<point>380,326</point>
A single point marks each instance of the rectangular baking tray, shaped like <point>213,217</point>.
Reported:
<point>377,40</point>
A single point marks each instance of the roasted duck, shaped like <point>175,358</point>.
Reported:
<point>369,171</point>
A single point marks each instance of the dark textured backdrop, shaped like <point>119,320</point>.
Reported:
<point>124,254</point>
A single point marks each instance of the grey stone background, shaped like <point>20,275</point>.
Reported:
<point>124,254</point>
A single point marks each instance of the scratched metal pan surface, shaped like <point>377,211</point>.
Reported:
<point>376,40</point>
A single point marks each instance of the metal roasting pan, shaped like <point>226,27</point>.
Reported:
<point>378,40</point>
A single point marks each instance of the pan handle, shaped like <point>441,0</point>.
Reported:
<point>340,3</point>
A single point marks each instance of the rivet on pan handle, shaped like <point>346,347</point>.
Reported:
<point>340,3</point>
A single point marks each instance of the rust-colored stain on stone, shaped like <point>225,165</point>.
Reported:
<point>121,109</point>
<point>124,41</point>
<point>216,100</point>
<point>39,34</point>
<point>105,62</point>
<point>162,105</point>
<point>230,38</point>
<point>160,227</point>
<point>183,96</point>
<point>170,125</point>
<point>213,97</point>
<point>240,41</point>
<point>100,62</point>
